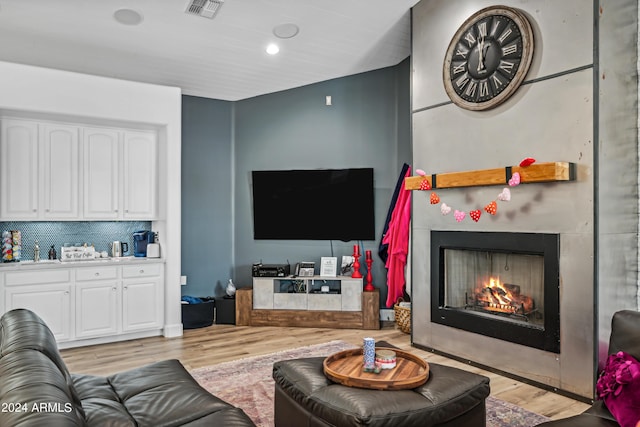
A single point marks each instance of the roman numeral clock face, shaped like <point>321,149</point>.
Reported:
<point>488,58</point>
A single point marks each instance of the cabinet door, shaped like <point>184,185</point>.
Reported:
<point>60,167</point>
<point>97,308</point>
<point>101,177</point>
<point>51,302</point>
<point>18,170</point>
<point>140,175</point>
<point>142,304</point>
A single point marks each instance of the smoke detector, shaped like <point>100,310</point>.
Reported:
<point>204,8</point>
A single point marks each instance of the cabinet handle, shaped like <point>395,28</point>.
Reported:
<point>97,274</point>
<point>125,288</point>
<point>141,271</point>
<point>114,289</point>
<point>66,292</point>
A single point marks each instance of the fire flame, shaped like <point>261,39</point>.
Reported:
<point>496,296</point>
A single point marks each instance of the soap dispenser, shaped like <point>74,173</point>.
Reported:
<point>36,252</point>
<point>52,253</point>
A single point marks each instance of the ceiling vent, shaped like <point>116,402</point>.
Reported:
<point>204,8</point>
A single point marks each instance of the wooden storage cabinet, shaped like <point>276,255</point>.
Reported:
<point>273,302</point>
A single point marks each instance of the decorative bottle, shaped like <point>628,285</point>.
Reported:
<point>36,252</point>
<point>52,253</point>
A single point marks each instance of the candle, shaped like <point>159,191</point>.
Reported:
<point>368,254</point>
<point>356,250</point>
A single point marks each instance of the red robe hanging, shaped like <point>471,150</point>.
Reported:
<point>397,238</point>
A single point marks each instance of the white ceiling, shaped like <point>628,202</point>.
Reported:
<point>221,58</point>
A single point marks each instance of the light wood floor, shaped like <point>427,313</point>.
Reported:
<point>221,343</point>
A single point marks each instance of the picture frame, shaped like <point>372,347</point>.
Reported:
<point>346,268</point>
<point>328,266</point>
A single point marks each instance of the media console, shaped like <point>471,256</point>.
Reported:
<point>323,302</point>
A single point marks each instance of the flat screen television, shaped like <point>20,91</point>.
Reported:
<point>316,204</point>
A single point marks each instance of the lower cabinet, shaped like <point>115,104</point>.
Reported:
<point>51,302</point>
<point>91,302</point>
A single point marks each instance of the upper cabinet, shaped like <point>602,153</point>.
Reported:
<point>140,175</point>
<point>59,182</point>
<point>101,173</point>
<point>51,171</point>
<point>19,170</point>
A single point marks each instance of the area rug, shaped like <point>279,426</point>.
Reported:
<point>247,384</point>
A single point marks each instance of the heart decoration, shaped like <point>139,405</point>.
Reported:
<point>425,185</point>
<point>491,208</point>
<point>459,215</point>
<point>434,199</point>
<point>515,180</point>
<point>505,196</point>
<point>475,215</point>
<point>420,172</point>
<point>444,209</point>
<point>527,161</point>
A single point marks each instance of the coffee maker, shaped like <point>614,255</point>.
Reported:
<point>140,241</point>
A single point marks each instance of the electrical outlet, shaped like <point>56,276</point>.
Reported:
<point>183,280</point>
<point>387,315</point>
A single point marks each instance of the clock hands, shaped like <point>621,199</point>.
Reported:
<point>482,50</point>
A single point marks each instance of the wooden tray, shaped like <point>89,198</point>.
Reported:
<point>345,367</point>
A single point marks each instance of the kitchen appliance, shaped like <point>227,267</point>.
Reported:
<point>141,240</point>
<point>119,249</point>
<point>153,250</point>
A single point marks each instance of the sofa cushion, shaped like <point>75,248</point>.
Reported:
<point>101,404</point>
<point>165,394</point>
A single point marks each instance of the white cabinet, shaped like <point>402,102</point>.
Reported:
<point>46,293</point>
<point>142,297</point>
<point>39,170</point>
<point>101,175</point>
<point>121,174</point>
<point>341,293</point>
<point>18,169</point>
<point>140,175</point>
<point>59,171</point>
<point>98,301</point>
<point>60,166</point>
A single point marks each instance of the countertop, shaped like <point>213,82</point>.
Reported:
<point>46,263</point>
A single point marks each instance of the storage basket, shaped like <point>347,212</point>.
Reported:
<point>402,312</point>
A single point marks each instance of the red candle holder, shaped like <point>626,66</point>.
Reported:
<point>369,260</point>
<point>356,263</point>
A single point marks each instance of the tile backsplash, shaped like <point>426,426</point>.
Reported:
<point>98,233</point>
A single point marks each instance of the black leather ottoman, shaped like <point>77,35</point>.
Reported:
<point>305,397</point>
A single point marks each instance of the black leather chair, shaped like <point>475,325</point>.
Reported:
<point>625,336</point>
<point>36,389</point>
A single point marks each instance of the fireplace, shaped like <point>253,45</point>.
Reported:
<point>501,285</point>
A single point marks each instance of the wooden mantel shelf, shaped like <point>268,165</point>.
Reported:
<point>541,172</point>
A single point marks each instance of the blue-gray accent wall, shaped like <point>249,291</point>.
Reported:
<point>207,241</point>
<point>367,125</point>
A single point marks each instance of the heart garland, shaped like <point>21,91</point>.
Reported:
<point>491,208</point>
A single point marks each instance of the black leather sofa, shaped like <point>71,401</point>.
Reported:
<point>625,336</point>
<point>36,389</point>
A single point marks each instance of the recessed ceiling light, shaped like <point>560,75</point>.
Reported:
<point>127,17</point>
<point>272,49</point>
<point>285,31</point>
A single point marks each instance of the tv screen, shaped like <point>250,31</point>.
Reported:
<point>318,204</point>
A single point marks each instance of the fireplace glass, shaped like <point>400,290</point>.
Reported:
<point>507,285</point>
<point>497,284</point>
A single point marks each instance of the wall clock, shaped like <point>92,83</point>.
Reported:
<point>488,58</point>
